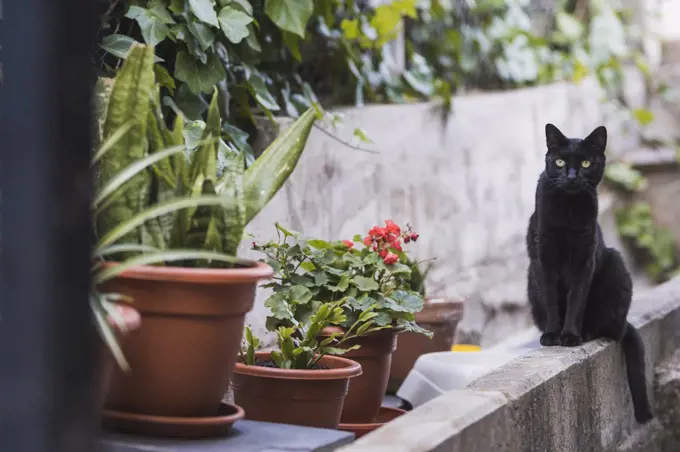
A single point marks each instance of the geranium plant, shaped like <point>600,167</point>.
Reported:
<point>368,277</point>
<point>300,346</point>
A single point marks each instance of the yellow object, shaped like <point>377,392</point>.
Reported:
<point>465,348</point>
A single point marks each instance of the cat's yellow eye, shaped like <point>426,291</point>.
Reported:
<point>585,163</point>
<point>560,163</point>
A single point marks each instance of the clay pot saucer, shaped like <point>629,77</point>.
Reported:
<point>385,415</point>
<point>176,427</point>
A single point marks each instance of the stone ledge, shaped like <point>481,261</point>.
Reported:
<point>554,399</point>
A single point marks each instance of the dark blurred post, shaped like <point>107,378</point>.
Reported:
<point>47,340</point>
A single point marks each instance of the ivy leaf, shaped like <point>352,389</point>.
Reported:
<point>119,46</point>
<point>362,135</point>
<point>350,28</point>
<point>292,41</point>
<point>164,78</point>
<point>205,11</point>
<point>251,40</point>
<point>643,116</point>
<point>290,15</point>
<point>365,284</point>
<point>245,4</point>
<point>152,22</point>
<point>191,105</point>
<point>234,23</point>
<point>198,76</point>
<point>203,34</point>
<point>258,87</point>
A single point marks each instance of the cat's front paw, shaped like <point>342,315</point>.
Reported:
<point>570,340</point>
<point>550,339</point>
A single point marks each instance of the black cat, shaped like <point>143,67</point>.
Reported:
<point>579,289</point>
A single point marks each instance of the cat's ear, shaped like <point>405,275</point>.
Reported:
<point>597,140</point>
<point>553,137</point>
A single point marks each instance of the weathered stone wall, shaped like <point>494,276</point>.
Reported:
<point>466,185</point>
<point>556,399</point>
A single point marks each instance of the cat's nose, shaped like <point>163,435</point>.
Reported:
<point>571,174</point>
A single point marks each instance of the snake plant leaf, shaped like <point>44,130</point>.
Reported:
<point>106,331</point>
<point>124,248</point>
<point>204,160</point>
<point>107,145</point>
<point>102,93</point>
<point>203,232</point>
<point>266,176</point>
<point>230,187</point>
<point>129,101</point>
<point>131,224</point>
<point>131,171</point>
<point>167,256</point>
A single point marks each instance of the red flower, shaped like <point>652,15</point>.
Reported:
<point>391,258</point>
<point>377,232</point>
<point>392,227</point>
<point>348,243</point>
<point>396,245</point>
<point>414,236</point>
<point>383,253</point>
<point>368,240</point>
<point>407,238</point>
<point>254,245</point>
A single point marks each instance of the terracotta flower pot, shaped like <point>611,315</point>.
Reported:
<point>440,317</point>
<point>182,358</point>
<point>107,362</point>
<point>311,398</point>
<point>366,392</point>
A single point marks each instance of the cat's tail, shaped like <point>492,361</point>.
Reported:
<point>634,352</point>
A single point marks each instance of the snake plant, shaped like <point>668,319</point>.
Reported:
<point>164,199</point>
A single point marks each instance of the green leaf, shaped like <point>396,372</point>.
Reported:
<point>203,34</point>
<point>342,285</point>
<point>258,88</point>
<point>164,78</point>
<point>156,211</point>
<point>124,248</point>
<point>361,135</point>
<point>308,266</point>
<point>320,278</point>
<point>284,231</point>
<point>365,284</point>
<point>112,140</point>
<point>205,11</point>
<point>569,25</point>
<point>350,28</point>
<point>319,244</point>
<point>165,256</point>
<point>131,171</point>
<point>264,178</point>
<point>199,77</point>
<point>643,116</point>
<point>152,22</point>
<point>292,41</point>
<point>290,15</point>
<point>234,23</point>
<point>129,103</point>
<point>300,294</point>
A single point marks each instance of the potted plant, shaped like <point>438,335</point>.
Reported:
<point>169,217</point>
<point>370,276</point>
<point>439,315</point>
<point>301,383</point>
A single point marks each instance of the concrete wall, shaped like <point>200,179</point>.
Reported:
<point>555,399</point>
<point>466,185</point>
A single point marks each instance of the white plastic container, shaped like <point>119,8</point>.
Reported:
<point>435,373</point>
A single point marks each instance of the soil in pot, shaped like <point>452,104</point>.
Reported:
<point>366,392</point>
<point>311,398</point>
<point>385,415</point>
<point>182,358</point>
<point>440,317</point>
